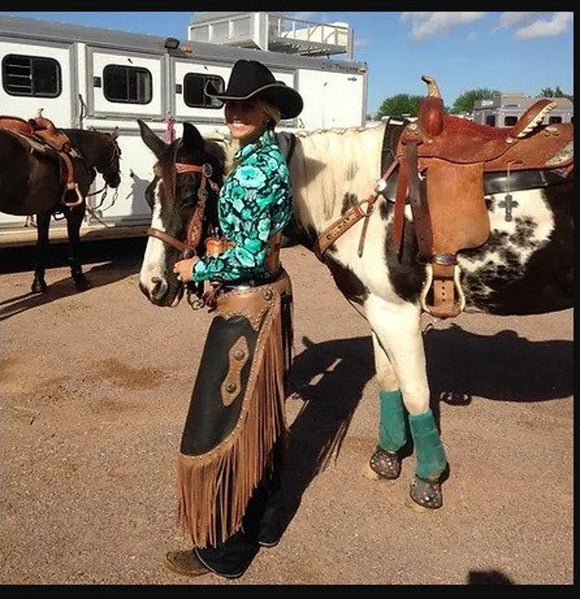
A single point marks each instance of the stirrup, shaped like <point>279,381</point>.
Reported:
<point>445,304</point>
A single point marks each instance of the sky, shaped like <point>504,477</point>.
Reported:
<point>504,51</point>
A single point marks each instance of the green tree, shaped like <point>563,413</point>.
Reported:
<point>466,101</point>
<point>399,105</point>
<point>548,92</point>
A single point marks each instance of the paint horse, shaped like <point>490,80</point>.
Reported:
<point>46,171</point>
<point>450,226</point>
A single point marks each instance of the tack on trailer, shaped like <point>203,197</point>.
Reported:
<point>86,77</point>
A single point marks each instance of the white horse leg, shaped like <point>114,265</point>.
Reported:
<point>385,463</point>
<point>397,332</point>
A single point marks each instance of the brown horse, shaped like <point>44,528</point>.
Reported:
<point>42,179</point>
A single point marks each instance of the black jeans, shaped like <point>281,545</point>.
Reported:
<point>262,521</point>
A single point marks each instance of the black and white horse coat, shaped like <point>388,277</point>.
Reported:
<point>525,267</point>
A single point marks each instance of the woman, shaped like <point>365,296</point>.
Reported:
<point>233,442</point>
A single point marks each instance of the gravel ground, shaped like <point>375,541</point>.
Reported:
<point>95,388</point>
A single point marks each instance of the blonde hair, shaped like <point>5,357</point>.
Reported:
<point>273,112</point>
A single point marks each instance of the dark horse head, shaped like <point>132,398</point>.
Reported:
<point>188,171</point>
<point>100,152</point>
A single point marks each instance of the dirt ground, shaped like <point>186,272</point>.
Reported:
<point>94,392</point>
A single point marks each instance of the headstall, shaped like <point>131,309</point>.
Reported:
<point>195,225</point>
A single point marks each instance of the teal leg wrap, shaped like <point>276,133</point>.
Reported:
<point>430,454</point>
<point>392,428</point>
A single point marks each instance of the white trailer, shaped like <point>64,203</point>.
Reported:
<point>85,77</point>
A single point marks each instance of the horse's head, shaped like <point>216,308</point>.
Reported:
<point>107,160</point>
<point>188,172</point>
<point>100,153</point>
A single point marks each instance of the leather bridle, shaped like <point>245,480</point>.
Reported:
<point>194,230</point>
<point>195,225</point>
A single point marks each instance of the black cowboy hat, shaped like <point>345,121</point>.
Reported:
<point>252,79</point>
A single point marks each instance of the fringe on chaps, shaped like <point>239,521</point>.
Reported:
<point>214,488</point>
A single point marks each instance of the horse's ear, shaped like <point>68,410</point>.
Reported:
<point>192,137</point>
<point>115,132</point>
<point>152,141</point>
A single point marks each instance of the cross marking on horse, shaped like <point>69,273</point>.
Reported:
<point>508,203</point>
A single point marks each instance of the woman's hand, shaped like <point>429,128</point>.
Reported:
<point>183,269</point>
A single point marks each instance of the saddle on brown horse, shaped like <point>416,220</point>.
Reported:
<point>442,162</point>
<point>43,137</point>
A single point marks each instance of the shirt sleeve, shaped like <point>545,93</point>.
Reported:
<point>250,203</point>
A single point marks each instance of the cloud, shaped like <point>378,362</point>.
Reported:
<point>510,19</point>
<point>428,24</point>
<point>555,25</point>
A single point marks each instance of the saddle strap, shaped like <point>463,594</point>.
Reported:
<point>71,184</point>
<point>418,201</point>
<point>361,210</point>
<point>272,262</point>
<point>409,183</point>
<point>400,200</point>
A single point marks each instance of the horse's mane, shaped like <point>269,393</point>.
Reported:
<point>221,148</point>
<point>328,168</point>
<point>217,149</point>
<point>332,166</point>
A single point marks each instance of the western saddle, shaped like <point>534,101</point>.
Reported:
<point>441,161</point>
<point>43,137</point>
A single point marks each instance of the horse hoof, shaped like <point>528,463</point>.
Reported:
<point>424,495</point>
<point>82,284</point>
<point>38,287</point>
<point>383,465</point>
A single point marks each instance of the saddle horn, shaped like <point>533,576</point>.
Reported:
<point>431,111</point>
<point>42,122</point>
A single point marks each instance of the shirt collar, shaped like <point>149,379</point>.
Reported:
<point>267,137</point>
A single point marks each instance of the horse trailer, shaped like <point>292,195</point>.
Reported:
<point>504,110</point>
<point>88,77</point>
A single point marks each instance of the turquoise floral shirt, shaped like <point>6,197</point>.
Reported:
<point>254,202</point>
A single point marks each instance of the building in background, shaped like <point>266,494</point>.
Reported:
<point>505,109</point>
<point>91,77</point>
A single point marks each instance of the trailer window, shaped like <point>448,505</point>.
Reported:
<point>193,94</point>
<point>552,120</point>
<point>31,76</point>
<point>130,85</point>
<point>510,121</point>
<point>490,120</point>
